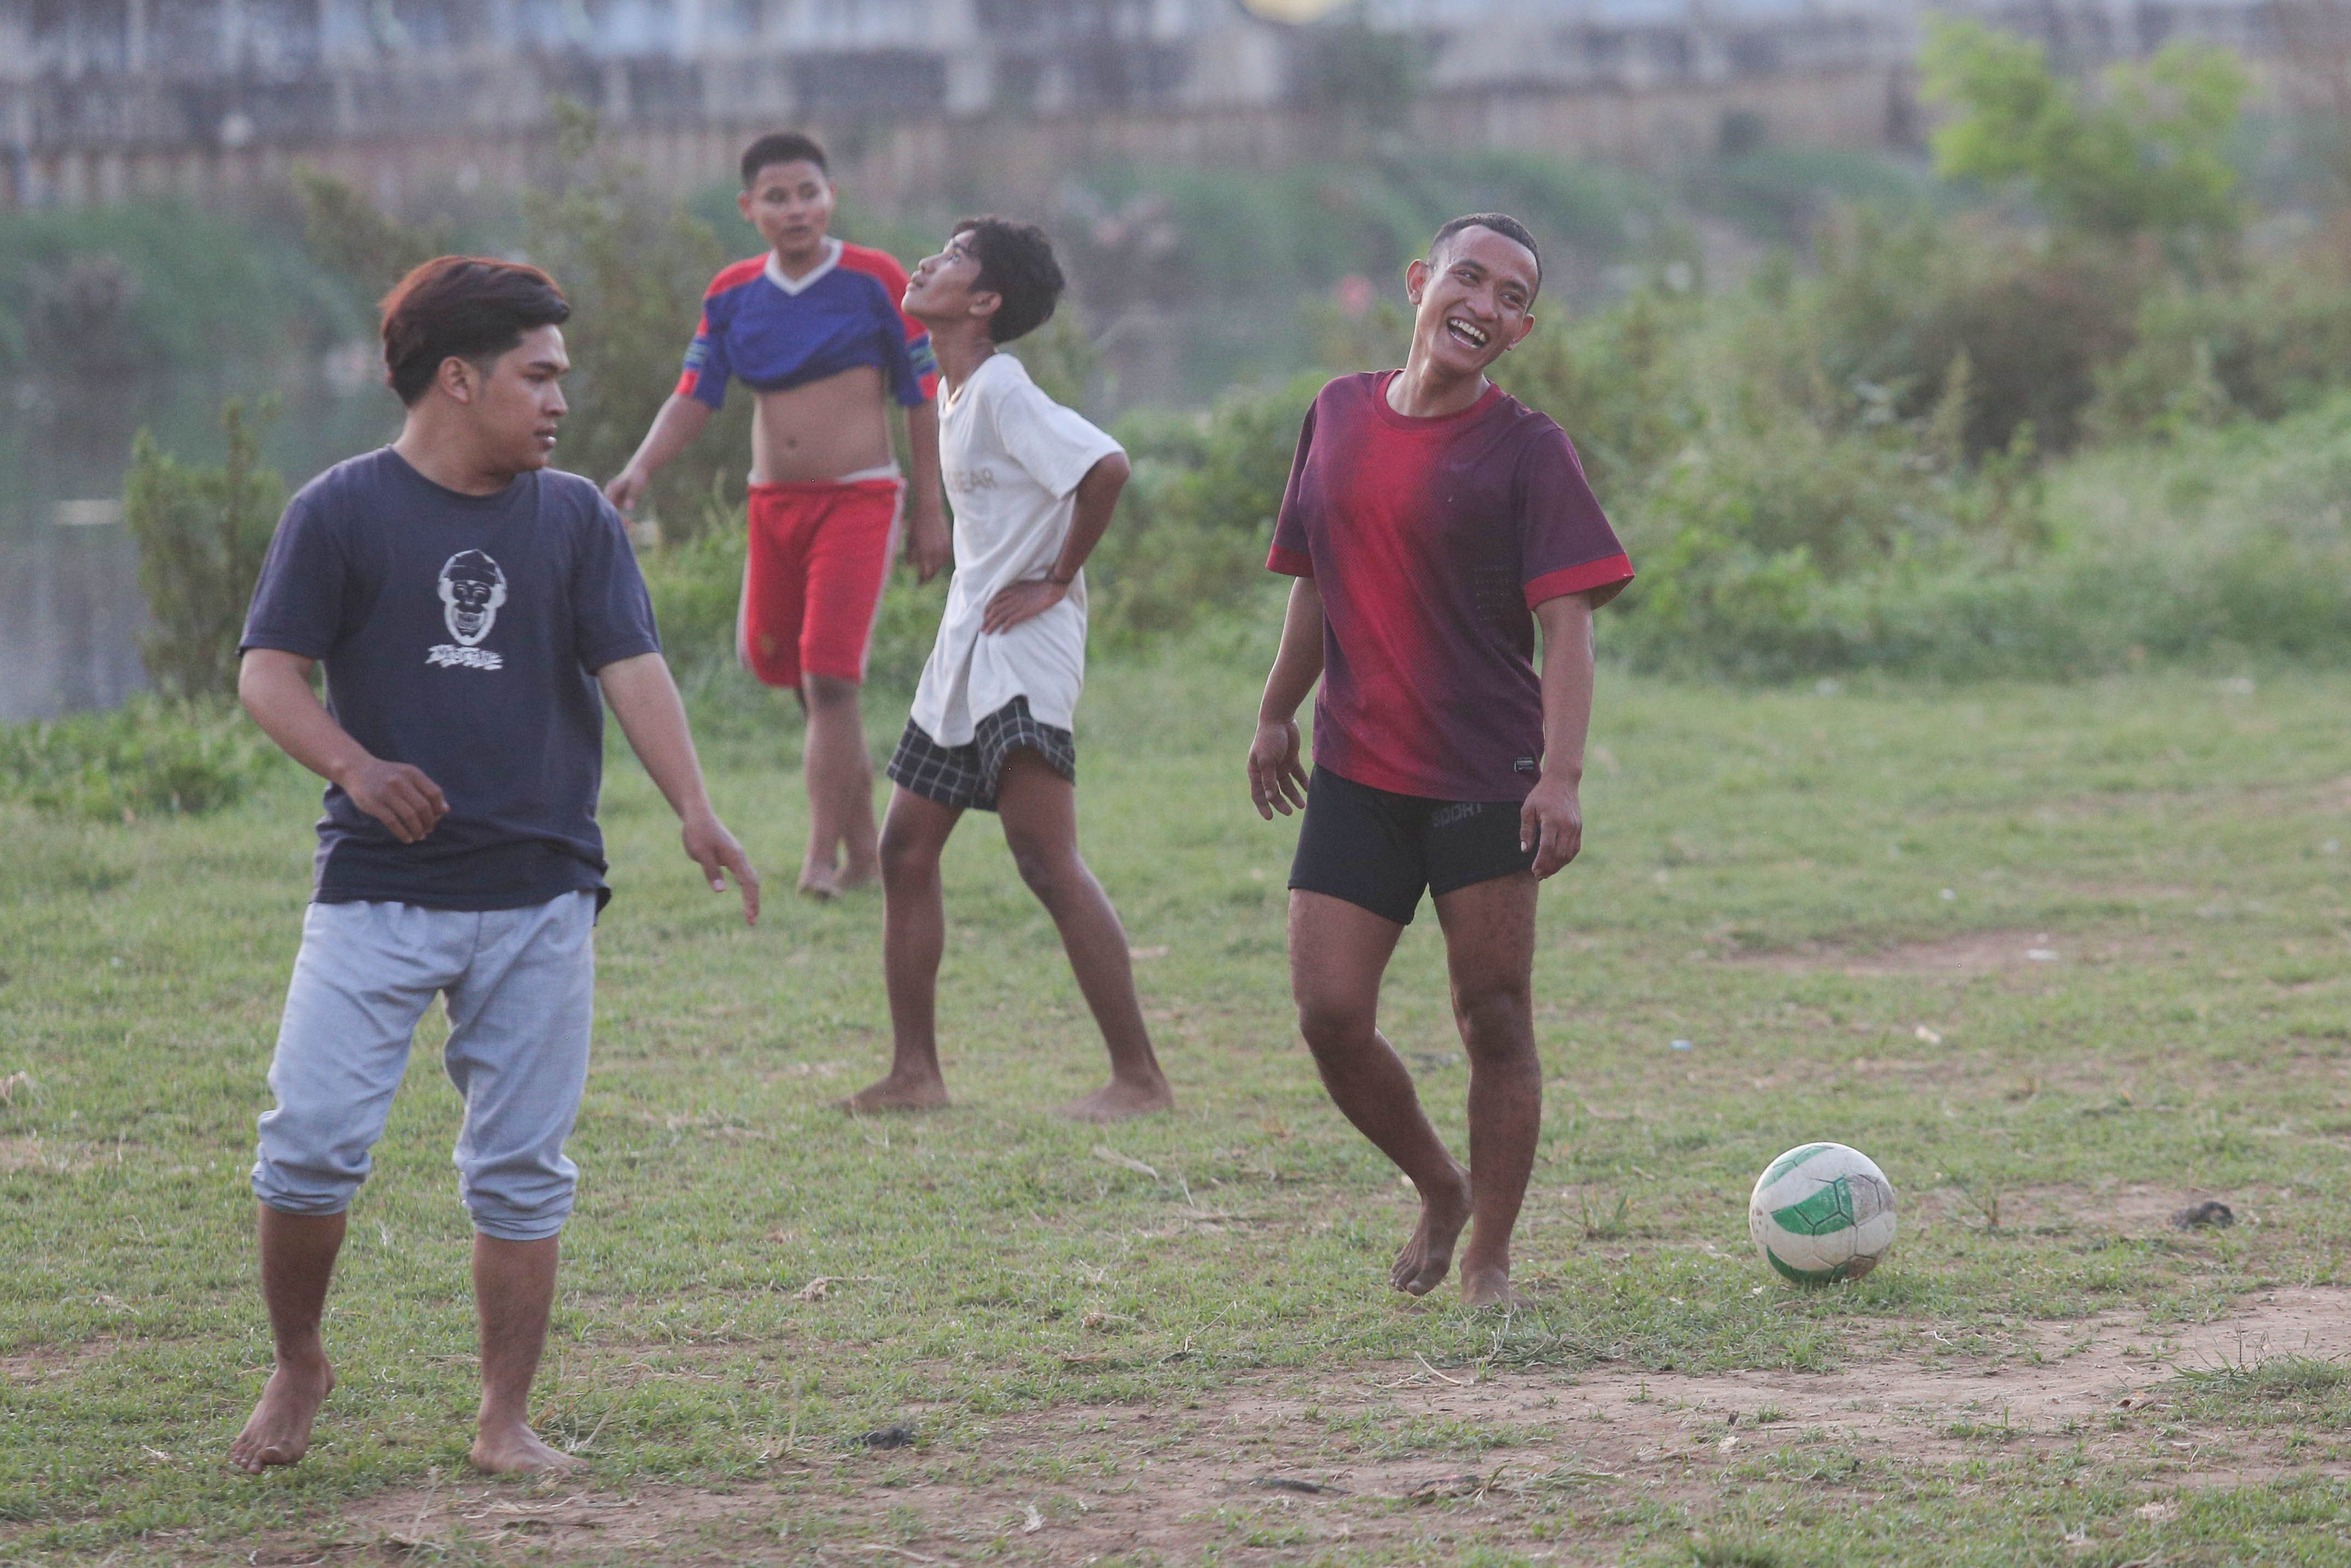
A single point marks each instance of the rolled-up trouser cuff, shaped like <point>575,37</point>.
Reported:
<point>505,1225</point>
<point>278,1200</point>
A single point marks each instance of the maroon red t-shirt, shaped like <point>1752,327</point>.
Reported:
<point>1432,541</point>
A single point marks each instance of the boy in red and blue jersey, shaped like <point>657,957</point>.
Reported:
<point>814,328</point>
<point>1431,521</point>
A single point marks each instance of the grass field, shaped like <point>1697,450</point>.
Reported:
<point>2061,959</point>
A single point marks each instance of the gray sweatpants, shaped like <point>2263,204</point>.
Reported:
<point>521,990</point>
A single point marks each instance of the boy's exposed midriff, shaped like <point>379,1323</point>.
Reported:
<point>822,430</point>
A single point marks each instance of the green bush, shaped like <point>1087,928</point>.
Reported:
<point>2203,356</point>
<point>634,264</point>
<point>1619,383</point>
<point>1895,304</point>
<point>2220,545</point>
<point>202,531</point>
<point>345,233</point>
<point>153,756</point>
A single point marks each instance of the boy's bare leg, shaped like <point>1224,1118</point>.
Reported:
<point>1489,948</point>
<point>297,1263</point>
<point>914,934</point>
<point>1338,951</point>
<point>842,852</point>
<point>1039,808</point>
<point>514,1291</point>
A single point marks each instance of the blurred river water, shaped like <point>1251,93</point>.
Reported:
<point>70,608</point>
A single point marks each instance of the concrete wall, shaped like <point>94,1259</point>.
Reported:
<point>937,159</point>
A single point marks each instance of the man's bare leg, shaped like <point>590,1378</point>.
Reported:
<point>842,852</point>
<point>1338,951</point>
<point>914,935</point>
<point>1489,948</point>
<point>514,1292</point>
<point>297,1263</point>
<point>1039,808</point>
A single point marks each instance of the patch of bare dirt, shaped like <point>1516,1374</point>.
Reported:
<point>31,1152</point>
<point>46,1361</point>
<point>2131,1210</point>
<point>1408,1459</point>
<point>2034,956</point>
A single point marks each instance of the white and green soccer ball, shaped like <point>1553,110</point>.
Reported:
<point>1821,1212</point>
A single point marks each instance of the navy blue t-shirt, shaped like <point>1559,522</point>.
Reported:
<point>461,635</point>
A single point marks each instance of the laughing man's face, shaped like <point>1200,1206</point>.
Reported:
<point>1473,299</point>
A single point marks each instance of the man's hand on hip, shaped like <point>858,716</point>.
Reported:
<point>1022,601</point>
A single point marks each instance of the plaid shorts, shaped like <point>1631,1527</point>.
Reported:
<point>964,776</point>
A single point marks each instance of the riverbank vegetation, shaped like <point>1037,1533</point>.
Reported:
<point>2072,401</point>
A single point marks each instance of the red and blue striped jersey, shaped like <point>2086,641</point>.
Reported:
<point>776,332</point>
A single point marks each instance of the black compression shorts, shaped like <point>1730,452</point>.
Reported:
<point>1381,850</point>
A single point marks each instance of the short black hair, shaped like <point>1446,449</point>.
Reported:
<point>1502,224</point>
<point>472,307</point>
<point>782,147</point>
<point>1015,263</point>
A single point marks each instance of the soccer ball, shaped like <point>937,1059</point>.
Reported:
<point>1821,1212</point>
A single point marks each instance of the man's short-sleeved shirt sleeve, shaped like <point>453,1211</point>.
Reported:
<point>460,634</point>
<point>299,605</point>
<point>1431,540</point>
<point>611,609</point>
<point>914,371</point>
<point>1058,446</point>
<point>1291,555</point>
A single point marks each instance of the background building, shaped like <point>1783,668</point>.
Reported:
<point>101,99</point>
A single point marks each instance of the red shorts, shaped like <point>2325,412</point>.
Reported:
<point>819,555</point>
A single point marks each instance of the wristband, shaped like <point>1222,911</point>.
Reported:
<point>1061,582</point>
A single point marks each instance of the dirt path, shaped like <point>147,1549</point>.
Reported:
<point>1396,1458</point>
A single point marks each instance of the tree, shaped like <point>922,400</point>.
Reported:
<point>634,264</point>
<point>2144,156</point>
<point>343,230</point>
<point>201,533</point>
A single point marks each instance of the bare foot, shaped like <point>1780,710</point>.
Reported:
<point>820,883</point>
<point>858,874</point>
<point>898,1093</point>
<point>516,1449</point>
<point>279,1430</point>
<point>1489,1286</point>
<point>1118,1099</point>
<point>1421,1262</point>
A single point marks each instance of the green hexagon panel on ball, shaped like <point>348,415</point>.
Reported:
<point>1820,1213</point>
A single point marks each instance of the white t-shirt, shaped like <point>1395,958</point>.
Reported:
<point>1011,457</point>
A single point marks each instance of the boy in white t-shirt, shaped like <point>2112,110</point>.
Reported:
<point>1033,485</point>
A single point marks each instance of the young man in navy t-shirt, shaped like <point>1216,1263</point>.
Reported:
<point>1431,521</point>
<point>475,612</point>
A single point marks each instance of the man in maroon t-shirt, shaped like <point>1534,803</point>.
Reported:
<point>1431,521</point>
